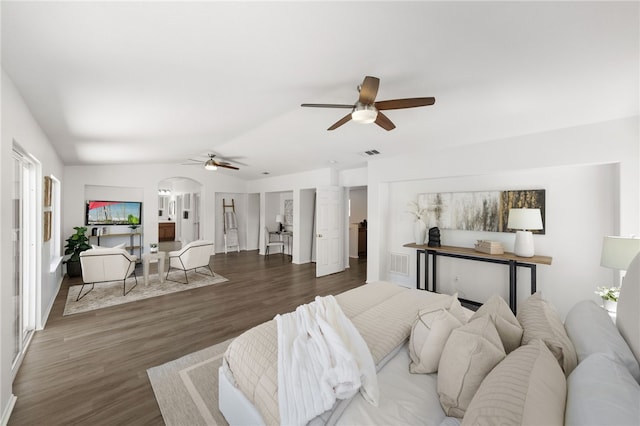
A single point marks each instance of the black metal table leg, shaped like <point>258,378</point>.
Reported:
<point>418,269</point>
<point>533,279</point>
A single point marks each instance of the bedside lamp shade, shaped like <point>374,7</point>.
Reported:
<point>618,252</point>
<point>524,220</point>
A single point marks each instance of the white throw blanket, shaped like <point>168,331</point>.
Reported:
<point>321,357</point>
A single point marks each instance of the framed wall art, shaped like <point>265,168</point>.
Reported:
<point>480,210</point>
<point>47,191</point>
<point>47,226</point>
<point>288,212</point>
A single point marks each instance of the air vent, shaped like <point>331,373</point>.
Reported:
<point>370,153</point>
<point>399,264</point>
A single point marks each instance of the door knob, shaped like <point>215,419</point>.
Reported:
<point>319,235</point>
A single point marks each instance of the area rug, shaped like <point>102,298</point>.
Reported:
<point>187,389</point>
<point>110,293</point>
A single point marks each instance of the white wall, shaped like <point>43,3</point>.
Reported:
<point>253,222</point>
<point>358,197</point>
<point>564,162</point>
<point>569,190</point>
<point>18,125</point>
<point>146,177</point>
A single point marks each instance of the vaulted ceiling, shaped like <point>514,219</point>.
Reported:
<point>163,82</point>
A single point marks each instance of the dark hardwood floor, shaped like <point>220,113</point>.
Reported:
<point>90,368</point>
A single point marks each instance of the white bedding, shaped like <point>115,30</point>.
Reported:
<point>382,312</point>
<point>405,398</point>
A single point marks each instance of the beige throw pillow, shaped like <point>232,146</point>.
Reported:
<point>505,321</point>
<point>468,356</point>
<point>527,388</point>
<point>428,337</point>
<point>540,321</point>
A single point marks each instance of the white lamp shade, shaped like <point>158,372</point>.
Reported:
<point>364,113</point>
<point>618,252</point>
<point>279,218</point>
<point>210,165</point>
<point>524,219</point>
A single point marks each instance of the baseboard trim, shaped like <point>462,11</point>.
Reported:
<point>45,315</point>
<point>8,410</point>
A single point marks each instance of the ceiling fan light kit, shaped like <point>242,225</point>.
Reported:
<point>364,113</point>
<point>210,165</point>
<point>367,110</point>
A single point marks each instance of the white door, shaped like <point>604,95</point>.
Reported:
<point>329,234</point>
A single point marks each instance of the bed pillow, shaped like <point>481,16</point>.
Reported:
<point>601,391</point>
<point>428,337</point>
<point>505,321</point>
<point>592,331</point>
<point>469,355</point>
<point>527,388</point>
<point>540,321</point>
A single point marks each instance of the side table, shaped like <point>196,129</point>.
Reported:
<point>148,258</point>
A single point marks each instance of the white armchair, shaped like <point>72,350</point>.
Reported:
<point>107,264</point>
<point>194,255</point>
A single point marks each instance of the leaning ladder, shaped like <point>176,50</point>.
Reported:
<point>230,226</point>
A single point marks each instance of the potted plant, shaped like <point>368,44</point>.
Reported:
<point>609,297</point>
<point>133,223</point>
<point>76,244</point>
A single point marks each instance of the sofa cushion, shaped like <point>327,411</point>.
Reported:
<point>505,321</point>
<point>468,356</point>
<point>540,321</point>
<point>601,391</point>
<point>428,337</point>
<point>119,246</point>
<point>527,388</point>
<point>591,330</point>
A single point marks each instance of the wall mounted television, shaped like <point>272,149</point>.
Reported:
<point>100,212</point>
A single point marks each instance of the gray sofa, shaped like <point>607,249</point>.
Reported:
<point>604,388</point>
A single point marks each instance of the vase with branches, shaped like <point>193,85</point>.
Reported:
<point>420,226</point>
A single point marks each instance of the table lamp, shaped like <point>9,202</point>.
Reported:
<point>524,220</point>
<point>618,252</point>
<point>279,220</point>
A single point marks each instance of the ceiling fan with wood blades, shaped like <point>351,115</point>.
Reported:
<point>212,163</point>
<point>367,110</point>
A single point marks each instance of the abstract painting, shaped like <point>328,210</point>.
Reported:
<point>478,211</point>
<point>288,212</point>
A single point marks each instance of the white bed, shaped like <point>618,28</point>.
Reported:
<point>383,313</point>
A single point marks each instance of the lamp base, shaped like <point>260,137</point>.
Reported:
<point>524,244</point>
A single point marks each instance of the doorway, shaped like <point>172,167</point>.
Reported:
<point>179,210</point>
<point>357,213</point>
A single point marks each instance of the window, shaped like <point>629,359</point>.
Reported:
<point>24,252</point>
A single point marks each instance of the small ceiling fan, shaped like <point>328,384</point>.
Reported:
<point>212,164</point>
<point>366,110</point>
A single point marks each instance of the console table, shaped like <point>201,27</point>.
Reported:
<point>509,259</point>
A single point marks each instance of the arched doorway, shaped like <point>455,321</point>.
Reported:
<point>179,210</point>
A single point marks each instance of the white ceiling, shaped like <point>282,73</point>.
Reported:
<point>161,82</point>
